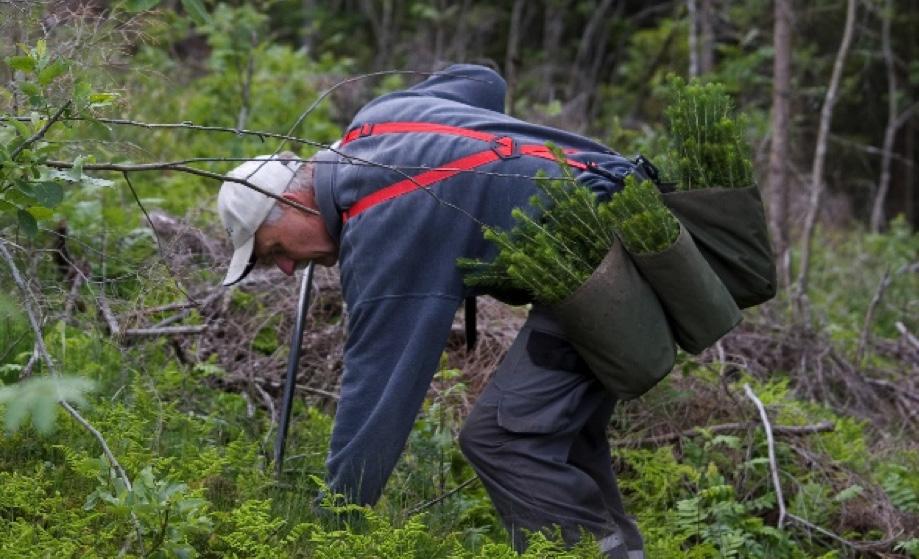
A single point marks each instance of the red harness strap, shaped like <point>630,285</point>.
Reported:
<point>501,147</point>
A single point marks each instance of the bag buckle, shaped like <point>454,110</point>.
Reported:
<point>505,147</point>
<point>365,130</point>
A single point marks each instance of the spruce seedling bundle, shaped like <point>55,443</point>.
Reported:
<point>555,249</point>
<point>707,147</point>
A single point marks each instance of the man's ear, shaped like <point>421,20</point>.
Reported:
<point>299,196</point>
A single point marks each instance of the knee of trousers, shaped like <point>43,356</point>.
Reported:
<point>477,437</point>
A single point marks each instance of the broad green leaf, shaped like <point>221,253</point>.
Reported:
<point>41,48</point>
<point>101,99</point>
<point>39,397</point>
<point>29,89</point>
<point>81,92</point>
<point>21,63</point>
<point>26,188</point>
<point>76,172</point>
<point>41,212</point>
<point>139,5</point>
<point>195,9</point>
<point>51,71</point>
<point>27,223</point>
<point>20,127</point>
<point>48,194</point>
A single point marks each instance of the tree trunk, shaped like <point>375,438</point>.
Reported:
<point>693,17</point>
<point>512,55</point>
<point>909,190</point>
<point>382,25</point>
<point>309,27</point>
<point>707,37</point>
<point>890,132</point>
<point>582,82</point>
<point>587,47</point>
<point>461,37</point>
<point>553,29</point>
<point>778,152</point>
<point>823,133</point>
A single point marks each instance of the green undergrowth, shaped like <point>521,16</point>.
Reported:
<point>202,482</point>
<point>204,487</point>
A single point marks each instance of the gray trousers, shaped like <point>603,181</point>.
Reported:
<point>537,439</point>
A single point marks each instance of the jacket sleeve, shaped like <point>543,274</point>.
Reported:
<point>393,349</point>
<point>469,84</point>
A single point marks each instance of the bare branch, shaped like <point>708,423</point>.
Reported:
<point>771,445</point>
<point>817,179</point>
<point>27,304</point>
<point>113,329</point>
<point>428,504</point>
<point>869,316</point>
<point>856,545</point>
<point>163,331</point>
<point>907,335</point>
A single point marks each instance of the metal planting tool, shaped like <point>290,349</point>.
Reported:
<point>293,364</point>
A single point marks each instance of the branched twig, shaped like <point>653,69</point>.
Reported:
<point>428,504</point>
<point>41,132</point>
<point>27,304</point>
<point>856,545</point>
<point>869,316</point>
<point>163,331</point>
<point>27,299</point>
<point>113,329</point>
<point>26,371</point>
<point>771,445</point>
<point>156,234</point>
<point>907,335</point>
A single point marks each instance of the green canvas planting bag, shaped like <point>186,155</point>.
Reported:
<point>618,326</point>
<point>728,226</point>
<point>698,305</point>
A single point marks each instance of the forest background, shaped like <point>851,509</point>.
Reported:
<point>140,399</point>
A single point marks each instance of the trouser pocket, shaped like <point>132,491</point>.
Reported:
<point>541,383</point>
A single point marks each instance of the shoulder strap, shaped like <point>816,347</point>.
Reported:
<point>500,147</point>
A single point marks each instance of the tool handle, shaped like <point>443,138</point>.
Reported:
<point>293,363</point>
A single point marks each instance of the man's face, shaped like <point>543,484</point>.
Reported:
<point>296,237</point>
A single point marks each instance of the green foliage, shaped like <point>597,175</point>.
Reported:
<point>640,218</point>
<point>39,397</point>
<point>707,144</point>
<point>29,190</point>
<point>554,251</point>
<point>902,486</point>
<point>200,463</point>
<point>166,516</point>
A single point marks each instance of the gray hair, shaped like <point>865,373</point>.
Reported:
<point>302,181</point>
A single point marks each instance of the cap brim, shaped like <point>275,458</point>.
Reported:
<point>241,263</point>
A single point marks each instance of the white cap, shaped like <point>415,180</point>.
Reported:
<point>243,210</point>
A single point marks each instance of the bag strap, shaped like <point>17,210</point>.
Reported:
<point>500,147</point>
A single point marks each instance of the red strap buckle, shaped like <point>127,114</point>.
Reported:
<point>505,147</point>
<point>365,130</point>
